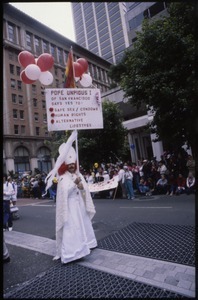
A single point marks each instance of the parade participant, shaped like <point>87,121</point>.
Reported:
<point>74,207</point>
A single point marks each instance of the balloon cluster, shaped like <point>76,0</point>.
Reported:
<point>36,68</point>
<point>80,67</point>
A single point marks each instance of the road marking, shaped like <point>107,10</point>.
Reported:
<point>146,207</point>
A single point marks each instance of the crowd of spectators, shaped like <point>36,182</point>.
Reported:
<point>174,174</point>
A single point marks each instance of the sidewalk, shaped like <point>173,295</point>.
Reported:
<point>106,273</point>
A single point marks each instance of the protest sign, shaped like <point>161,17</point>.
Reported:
<point>70,109</point>
<point>104,185</point>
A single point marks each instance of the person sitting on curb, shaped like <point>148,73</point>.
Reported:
<point>172,184</point>
<point>142,187</point>
<point>181,185</point>
<point>161,185</point>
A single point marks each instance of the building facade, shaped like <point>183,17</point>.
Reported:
<point>136,12</point>
<point>24,109</point>
<point>101,28</point>
<point>97,26</point>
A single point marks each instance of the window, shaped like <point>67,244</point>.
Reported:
<point>156,8</point>
<point>16,129</point>
<point>46,132</point>
<point>134,39</point>
<point>57,83</point>
<point>56,71</point>
<point>43,104</point>
<point>37,45</point>
<point>11,55</point>
<point>22,129</point>
<point>19,84</point>
<point>20,99</point>
<point>21,160</point>
<point>21,113</point>
<point>37,131</point>
<point>15,113</point>
<point>60,56</point>
<point>36,117</point>
<point>18,69</point>
<point>33,88</point>
<point>45,46</point>
<point>52,48</point>
<point>13,83</point>
<point>28,40</point>
<point>44,160</point>
<point>45,118</point>
<point>35,102</point>
<point>11,32</point>
<point>14,98</point>
<point>12,69</point>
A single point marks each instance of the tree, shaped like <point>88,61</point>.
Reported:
<point>160,72</point>
<point>106,145</point>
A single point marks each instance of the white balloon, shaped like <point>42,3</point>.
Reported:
<point>32,71</point>
<point>46,78</point>
<point>86,80</point>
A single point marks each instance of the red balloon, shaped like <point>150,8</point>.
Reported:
<point>25,58</point>
<point>25,79</point>
<point>83,62</point>
<point>78,69</point>
<point>45,62</point>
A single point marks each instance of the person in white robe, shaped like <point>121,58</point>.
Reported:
<point>75,236</point>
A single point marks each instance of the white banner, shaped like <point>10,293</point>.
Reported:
<point>102,186</point>
<point>69,109</point>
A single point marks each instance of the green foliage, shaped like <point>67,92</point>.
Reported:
<point>103,145</point>
<point>160,72</point>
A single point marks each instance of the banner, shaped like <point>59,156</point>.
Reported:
<point>69,109</point>
<point>104,185</point>
<point>69,72</point>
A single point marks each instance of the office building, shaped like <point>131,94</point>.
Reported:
<point>140,140</point>
<point>101,28</point>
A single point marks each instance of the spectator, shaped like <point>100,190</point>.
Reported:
<point>41,187</point>
<point>162,169</point>
<point>35,188</point>
<point>143,187</point>
<point>140,166</point>
<point>90,179</point>
<point>190,184</point>
<point>151,185</point>
<point>136,175</point>
<point>99,175</point>
<point>13,198</point>
<point>8,192</point>
<point>190,164</point>
<point>128,181</point>
<point>181,184</point>
<point>121,181</point>
<point>161,185</point>
<point>53,189</point>
<point>172,184</point>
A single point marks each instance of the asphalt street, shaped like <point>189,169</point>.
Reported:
<point>32,241</point>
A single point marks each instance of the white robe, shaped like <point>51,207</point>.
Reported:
<point>74,211</point>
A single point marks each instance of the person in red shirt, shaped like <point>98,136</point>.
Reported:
<point>181,185</point>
